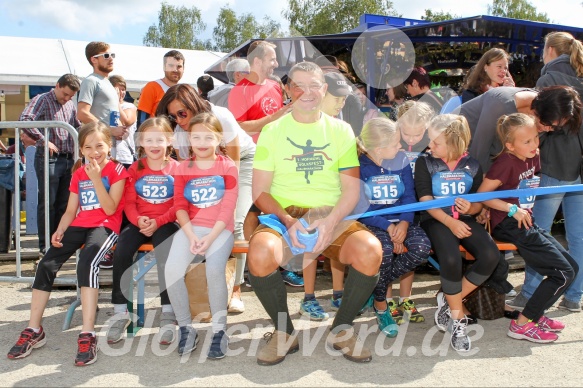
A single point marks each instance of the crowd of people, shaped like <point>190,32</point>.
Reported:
<point>283,166</point>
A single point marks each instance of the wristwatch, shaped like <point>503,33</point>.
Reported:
<point>512,210</point>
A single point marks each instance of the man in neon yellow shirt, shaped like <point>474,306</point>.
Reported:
<point>306,166</point>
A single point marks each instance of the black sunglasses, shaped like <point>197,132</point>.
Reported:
<point>181,113</point>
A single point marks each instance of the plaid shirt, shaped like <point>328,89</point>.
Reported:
<point>45,107</point>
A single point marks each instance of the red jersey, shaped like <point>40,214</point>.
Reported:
<point>207,195</point>
<point>250,101</point>
<point>151,193</point>
<point>91,215</point>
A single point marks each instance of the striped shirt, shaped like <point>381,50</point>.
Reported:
<point>46,107</point>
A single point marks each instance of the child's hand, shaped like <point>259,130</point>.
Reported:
<point>204,244</point>
<point>484,216</point>
<point>398,248</point>
<point>93,170</point>
<point>193,243</point>
<point>400,232</point>
<point>462,205</point>
<point>56,239</point>
<point>523,217</point>
<point>150,229</point>
<point>459,229</point>
<point>143,222</point>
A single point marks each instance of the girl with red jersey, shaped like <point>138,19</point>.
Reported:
<point>92,221</point>
<point>205,195</point>
<point>150,211</point>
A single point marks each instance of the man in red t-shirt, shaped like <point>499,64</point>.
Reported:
<point>258,100</point>
<point>153,91</point>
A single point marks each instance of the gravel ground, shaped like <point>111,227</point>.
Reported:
<point>419,356</point>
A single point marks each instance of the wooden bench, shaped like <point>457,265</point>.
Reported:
<point>240,246</point>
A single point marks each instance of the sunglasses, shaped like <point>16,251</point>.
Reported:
<point>105,55</point>
<point>181,113</point>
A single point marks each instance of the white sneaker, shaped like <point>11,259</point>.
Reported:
<point>236,306</point>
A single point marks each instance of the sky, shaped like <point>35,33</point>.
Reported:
<point>126,21</point>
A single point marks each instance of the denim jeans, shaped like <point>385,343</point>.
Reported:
<point>544,211</point>
<point>59,181</point>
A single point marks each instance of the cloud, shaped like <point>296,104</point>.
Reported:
<point>96,18</point>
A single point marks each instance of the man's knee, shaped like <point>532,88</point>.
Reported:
<point>262,252</point>
<point>363,251</point>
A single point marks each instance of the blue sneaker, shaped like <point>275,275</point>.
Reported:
<point>386,323</point>
<point>292,278</point>
<point>313,310</point>
<point>335,304</point>
<point>367,306</point>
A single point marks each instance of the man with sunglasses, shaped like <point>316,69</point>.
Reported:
<point>258,100</point>
<point>153,92</point>
<point>98,100</point>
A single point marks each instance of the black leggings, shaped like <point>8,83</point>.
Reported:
<point>98,241</point>
<point>546,256</point>
<point>130,240</point>
<point>446,246</point>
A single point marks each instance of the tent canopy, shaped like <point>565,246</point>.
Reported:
<point>34,61</point>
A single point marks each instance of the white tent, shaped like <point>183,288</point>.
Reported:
<point>34,61</point>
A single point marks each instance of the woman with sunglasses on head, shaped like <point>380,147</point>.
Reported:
<point>180,104</point>
<point>560,161</point>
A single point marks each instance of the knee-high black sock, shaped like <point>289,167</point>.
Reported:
<point>272,294</point>
<point>357,290</point>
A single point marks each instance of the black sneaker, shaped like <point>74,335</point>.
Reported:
<point>107,261</point>
<point>188,340</point>
<point>86,349</point>
<point>219,346</point>
<point>27,341</point>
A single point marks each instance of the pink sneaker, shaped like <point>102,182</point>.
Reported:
<point>549,324</point>
<point>530,331</point>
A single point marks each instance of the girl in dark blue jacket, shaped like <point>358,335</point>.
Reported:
<point>387,181</point>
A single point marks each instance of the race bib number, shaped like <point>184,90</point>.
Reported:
<point>384,189</point>
<point>527,201</point>
<point>205,192</point>
<point>88,196</point>
<point>412,156</point>
<point>155,189</point>
<point>451,183</point>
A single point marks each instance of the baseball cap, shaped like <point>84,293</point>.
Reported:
<point>337,85</point>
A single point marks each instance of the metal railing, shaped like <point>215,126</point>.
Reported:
<point>35,124</point>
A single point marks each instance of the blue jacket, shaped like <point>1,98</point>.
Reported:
<point>398,166</point>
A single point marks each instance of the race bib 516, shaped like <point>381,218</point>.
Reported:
<point>451,183</point>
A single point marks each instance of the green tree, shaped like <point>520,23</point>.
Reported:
<point>178,27</point>
<point>517,9</point>
<point>438,16</point>
<point>309,17</point>
<point>231,31</point>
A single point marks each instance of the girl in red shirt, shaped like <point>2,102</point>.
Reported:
<point>512,221</point>
<point>96,192</point>
<point>205,195</point>
<point>150,211</point>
